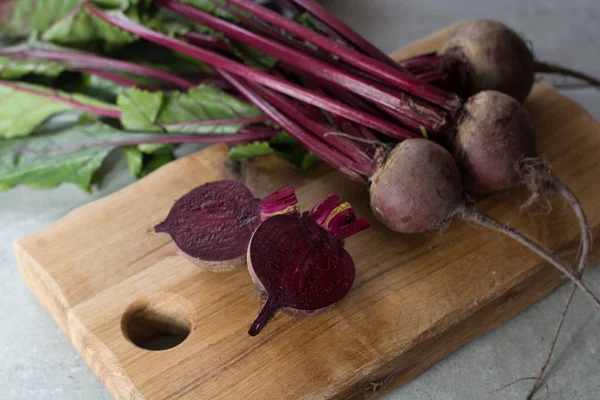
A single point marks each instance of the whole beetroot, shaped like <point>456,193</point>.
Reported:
<point>426,192</point>
<point>488,55</point>
<point>493,137</point>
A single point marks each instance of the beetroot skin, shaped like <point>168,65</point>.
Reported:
<point>213,223</point>
<point>488,55</point>
<point>300,264</point>
<point>417,188</point>
<point>494,136</point>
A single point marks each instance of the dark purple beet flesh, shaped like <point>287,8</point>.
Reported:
<point>214,222</point>
<point>300,262</point>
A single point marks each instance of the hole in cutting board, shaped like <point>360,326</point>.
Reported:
<point>157,323</point>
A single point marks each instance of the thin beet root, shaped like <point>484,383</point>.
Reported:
<point>299,262</point>
<point>213,223</point>
<point>549,68</point>
<point>495,149</point>
<point>583,260</point>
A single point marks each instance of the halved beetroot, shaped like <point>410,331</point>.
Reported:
<point>299,262</point>
<point>213,223</point>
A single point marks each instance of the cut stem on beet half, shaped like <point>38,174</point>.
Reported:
<point>213,223</point>
<point>299,262</point>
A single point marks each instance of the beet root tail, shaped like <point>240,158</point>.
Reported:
<point>264,316</point>
<point>486,221</point>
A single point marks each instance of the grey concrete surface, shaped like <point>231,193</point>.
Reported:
<point>37,362</point>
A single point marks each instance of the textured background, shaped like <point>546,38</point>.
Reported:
<point>39,363</point>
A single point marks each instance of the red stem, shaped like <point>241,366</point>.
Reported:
<point>432,76</point>
<point>230,121</point>
<point>278,35</point>
<point>349,149</point>
<point>116,78</point>
<point>251,74</point>
<point>415,113</point>
<point>382,70</point>
<point>348,33</point>
<point>244,135</point>
<point>422,60</point>
<point>342,123</point>
<point>202,40</point>
<point>85,60</point>
<point>401,104</point>
<point>66,99</point>
<point>324,151</point>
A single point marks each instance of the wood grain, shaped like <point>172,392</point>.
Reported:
<point>416,298</point>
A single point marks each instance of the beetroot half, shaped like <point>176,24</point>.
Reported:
<point>299,262</point>
<point>213,223</point>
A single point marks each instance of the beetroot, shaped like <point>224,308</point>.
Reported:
<point>493,138</point>
<point>488,55</point>
<point>495,148</point>
<point>213,223</point>
<point>485,55</point>
<point>426,192</point>
<point>299,262</point>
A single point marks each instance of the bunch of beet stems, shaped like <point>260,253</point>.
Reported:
<point>390,101</point>
<point>261,89</point>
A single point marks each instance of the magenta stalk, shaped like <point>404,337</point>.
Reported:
<point>390,74</point>
<point>109,111</point>
<point>410,111</point>
<point>259,77</point>
<point>85,60</point>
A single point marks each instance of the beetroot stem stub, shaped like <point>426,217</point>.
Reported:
<point>300,261</point>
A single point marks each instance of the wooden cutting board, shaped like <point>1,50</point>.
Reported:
<point>108,281</point>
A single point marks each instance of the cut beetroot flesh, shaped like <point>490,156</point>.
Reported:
<point>299,263</point>
<point>215,221</point>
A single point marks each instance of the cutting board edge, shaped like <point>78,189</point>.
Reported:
<point>530,287</point>
<point>103,363</point>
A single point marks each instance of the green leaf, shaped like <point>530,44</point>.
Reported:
<point>26,16</point>
<point>101,88</point>
<point>11,68</point>
<point>248,151</point>
<point>48,160</point>
<point>282,145</point>
<point>20,18</point>
<point>134,159</point>
<point>310,159</point>
<point>181,111</point>
<point>80,29</point>
<point>299,157</point>
<point>22,112</point>
<point>155,161</point>
<point>140,109</point>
